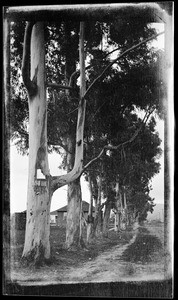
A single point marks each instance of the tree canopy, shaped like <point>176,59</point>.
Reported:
<point>132,83</point>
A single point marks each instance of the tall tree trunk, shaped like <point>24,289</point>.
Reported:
<point>90,213</point>
<point>37,246</point>
<point>74,204</point>
<point>74,195</point>
<point>125,207</point>
<point>97,228</point>
<point>74,213</point>
<point>106,218</point>
<point>59,181</point>
<point>40,190</point>
<point>118,206</point>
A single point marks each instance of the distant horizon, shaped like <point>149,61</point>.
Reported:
<point>157,203</point>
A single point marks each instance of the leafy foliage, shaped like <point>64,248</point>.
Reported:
<point>134,82</point>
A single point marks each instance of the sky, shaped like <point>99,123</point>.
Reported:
<point>19,172</point>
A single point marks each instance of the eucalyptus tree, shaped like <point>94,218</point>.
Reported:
<point>40,190</point>
<point>135,163</point>
<point>64,38</point>
<point>133,83</point>
<point>94,99</point>
<point>117,124</point>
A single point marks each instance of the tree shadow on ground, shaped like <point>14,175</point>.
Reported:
<point>143,248</point>
<point>67,258</point>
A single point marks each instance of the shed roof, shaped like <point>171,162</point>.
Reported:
<point>85,208</point>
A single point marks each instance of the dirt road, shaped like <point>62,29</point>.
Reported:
<point>142,258</point>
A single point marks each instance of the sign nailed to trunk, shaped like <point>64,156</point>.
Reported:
<point>40,175</point>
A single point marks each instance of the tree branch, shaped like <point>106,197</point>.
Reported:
<point>59,181</point>
<point>94,159</point>
<point>58,86</point>
<point>107,54</point>
<point>30,85</point>
<point>111,147</point>
<point>59,144</point>
<point>119,57</point>
<point>77,72</point>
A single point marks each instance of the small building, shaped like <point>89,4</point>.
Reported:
<point>58,217</point>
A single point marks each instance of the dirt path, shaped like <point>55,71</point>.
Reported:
<point>140,259</point>
<point>103,268</point>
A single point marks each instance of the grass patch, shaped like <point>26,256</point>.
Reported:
<point>144,249</point>
<point>66,258</point>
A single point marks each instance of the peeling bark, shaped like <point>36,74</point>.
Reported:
<point>40,191</point>
<point>74,210</point>
<point>37,246</point>
<point>31,85</point>
<point>74,214</point>
<point>74,204</point>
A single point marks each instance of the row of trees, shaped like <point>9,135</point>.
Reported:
<point>116,150</point>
